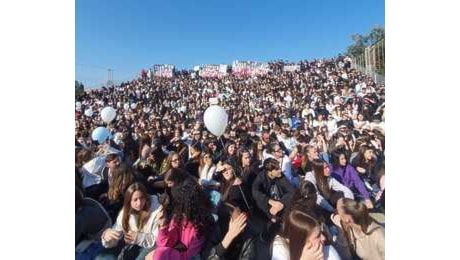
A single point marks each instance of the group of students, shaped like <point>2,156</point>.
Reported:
<point>292,181</point>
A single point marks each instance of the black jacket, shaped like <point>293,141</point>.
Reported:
<point>261,191</point>
<point>244,247</point>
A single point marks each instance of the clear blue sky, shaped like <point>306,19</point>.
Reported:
<point>128,35</point>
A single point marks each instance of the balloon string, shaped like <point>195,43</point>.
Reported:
<point>239,186</point>
<point>222,142</point>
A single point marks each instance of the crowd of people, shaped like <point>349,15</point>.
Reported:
<point>297,174</point>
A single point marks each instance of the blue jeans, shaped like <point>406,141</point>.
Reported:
<point>90,252</point>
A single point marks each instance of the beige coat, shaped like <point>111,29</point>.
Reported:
<point>372,246</point>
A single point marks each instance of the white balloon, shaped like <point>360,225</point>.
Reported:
<point>78,104</point>
<point>216,120</point>
<point>108,114</point>
<point>89,112</point>
<point>133,106</point>
<point>126,106</point>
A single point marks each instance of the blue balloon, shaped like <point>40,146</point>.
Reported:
<point>100,134</point>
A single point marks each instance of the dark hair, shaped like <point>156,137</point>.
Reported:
<point>240,156</point>
<point>111,157</point>
<point>143,140</point>
<point>225,155</point>
<point>321,180</point>
<point>305,195</point>
<point>258,155</point>
<point>227,184</point>
<point>360,216</point>
<point>196,146</point>
<point>361,160</point>
<point>193,204</point>
<point>271,164</point>
<point>335,157</point>
<point>176,175</point>
<point>144,214</point>
<point>305,161</point>
<point>299,226</point>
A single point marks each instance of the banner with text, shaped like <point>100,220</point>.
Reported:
<point>213,71</point>
<point>163,70</point>
<point>293,67</point>
<point>249,68</point>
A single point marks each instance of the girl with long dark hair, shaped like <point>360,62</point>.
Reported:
<point>347,175</point>
<point>257,151</point>
<point>366,164</point>
<point>304,238</point>
<point>229,153</point>
<point>329,189</point>
<point>232,188</point>
<point>185,226</point>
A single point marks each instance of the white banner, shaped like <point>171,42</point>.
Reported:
<point>213,71</point>
<point>249,68</point>
<point>163,70</point>
<point>293,67</point>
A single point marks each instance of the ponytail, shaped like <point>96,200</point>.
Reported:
<point>359,213</point>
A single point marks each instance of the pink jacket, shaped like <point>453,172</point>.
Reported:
<point>170,235</point>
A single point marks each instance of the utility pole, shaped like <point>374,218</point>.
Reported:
<point>109,77</point>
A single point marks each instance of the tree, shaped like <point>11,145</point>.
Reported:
<point>79,89</point>
<point>363,41</point>
<point>377,34</point>
<point>360,42</point>
<point>359,45</point>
